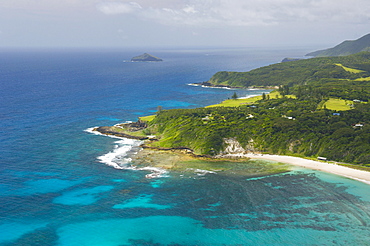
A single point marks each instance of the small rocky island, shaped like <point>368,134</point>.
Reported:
<point>146,58</point>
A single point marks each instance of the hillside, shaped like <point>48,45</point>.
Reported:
<point>345,48</point>
<point>315,122</point>
<point>333,75</point>
<point>320,109</point>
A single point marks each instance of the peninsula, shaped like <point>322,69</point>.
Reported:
<point>145,58</point>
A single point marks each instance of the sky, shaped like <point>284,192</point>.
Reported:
<point>172,23</point>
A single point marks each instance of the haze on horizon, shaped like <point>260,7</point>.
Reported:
<point>171,23</point>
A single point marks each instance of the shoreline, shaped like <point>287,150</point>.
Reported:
<point>228,87</point>
<point>347,172</point>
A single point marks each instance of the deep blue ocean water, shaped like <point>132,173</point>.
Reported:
<point>57,187</point>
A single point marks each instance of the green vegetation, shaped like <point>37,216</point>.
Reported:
<point>317,110</point>
<point>346,48</point>
<point>279,126</point>
<point>338,104</point>
<point>236,102</point>
<point>363,79</point>
<point>250,100</point>
<point>310,76</point>
<point>147,118</point>
<point>351,70</point>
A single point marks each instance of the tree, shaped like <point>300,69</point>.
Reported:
<point>235,96</point>
<point>159,109</point>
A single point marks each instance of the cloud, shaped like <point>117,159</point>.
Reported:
<point>111,8</point>
<point>240,12</point>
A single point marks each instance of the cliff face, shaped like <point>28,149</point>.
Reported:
<point>233,147</point>
<point>145,57</point>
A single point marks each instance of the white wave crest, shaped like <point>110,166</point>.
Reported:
<point>119,157</point>
<point>201,172</point>
<point>248,96</point>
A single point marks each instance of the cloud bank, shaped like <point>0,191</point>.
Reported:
<point>240,12</point>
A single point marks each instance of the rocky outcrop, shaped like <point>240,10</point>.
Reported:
<point>106,130</point>
<point>235,149</point>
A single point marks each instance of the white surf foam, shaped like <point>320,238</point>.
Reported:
<point>201,172</point>
<point>214,87</point>
<point>249,96</point>
<point>119,158</point>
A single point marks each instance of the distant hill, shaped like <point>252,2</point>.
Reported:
<point>348,47</point>
<point>342,69</point>
<point>145,57</point>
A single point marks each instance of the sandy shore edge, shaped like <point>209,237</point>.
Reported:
<point>359,175</point>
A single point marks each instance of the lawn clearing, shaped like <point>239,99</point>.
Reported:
<point>243,101</point>
<point>351,70</point>
<point>338,104</point>
<point>147,118</point>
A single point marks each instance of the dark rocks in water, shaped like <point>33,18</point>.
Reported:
<point>290,59</point>
<point>145,58</point>
<point>107,130</point>
<point>208,84</point>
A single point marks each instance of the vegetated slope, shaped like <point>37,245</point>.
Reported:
<point>345,48</point>
<point>322,72</point>
<point>276,126</point>
<point>300,125</point>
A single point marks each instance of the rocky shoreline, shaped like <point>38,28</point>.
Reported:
<point>107,130</point>
<point>123,131</point>
<point>210,85</point>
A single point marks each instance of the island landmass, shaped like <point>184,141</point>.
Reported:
<point>146,58</point>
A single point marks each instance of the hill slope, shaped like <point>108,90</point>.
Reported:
<point>316,121</point>
<point>345,48</point>
<point>332,73</point>
<point>299,125</point>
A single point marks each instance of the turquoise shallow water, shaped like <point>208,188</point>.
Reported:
<point>56,187</point>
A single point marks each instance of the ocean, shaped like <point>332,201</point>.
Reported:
<point>62,185</point>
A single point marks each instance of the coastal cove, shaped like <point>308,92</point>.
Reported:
<point>63,184</point>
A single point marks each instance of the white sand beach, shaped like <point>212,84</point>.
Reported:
<point>351,173</point>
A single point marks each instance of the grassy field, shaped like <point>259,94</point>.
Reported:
<point>351,70</point>
<point>337,104</point>
<point>242,101</point>
<point>147,118</point>
<point>363,79</point>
